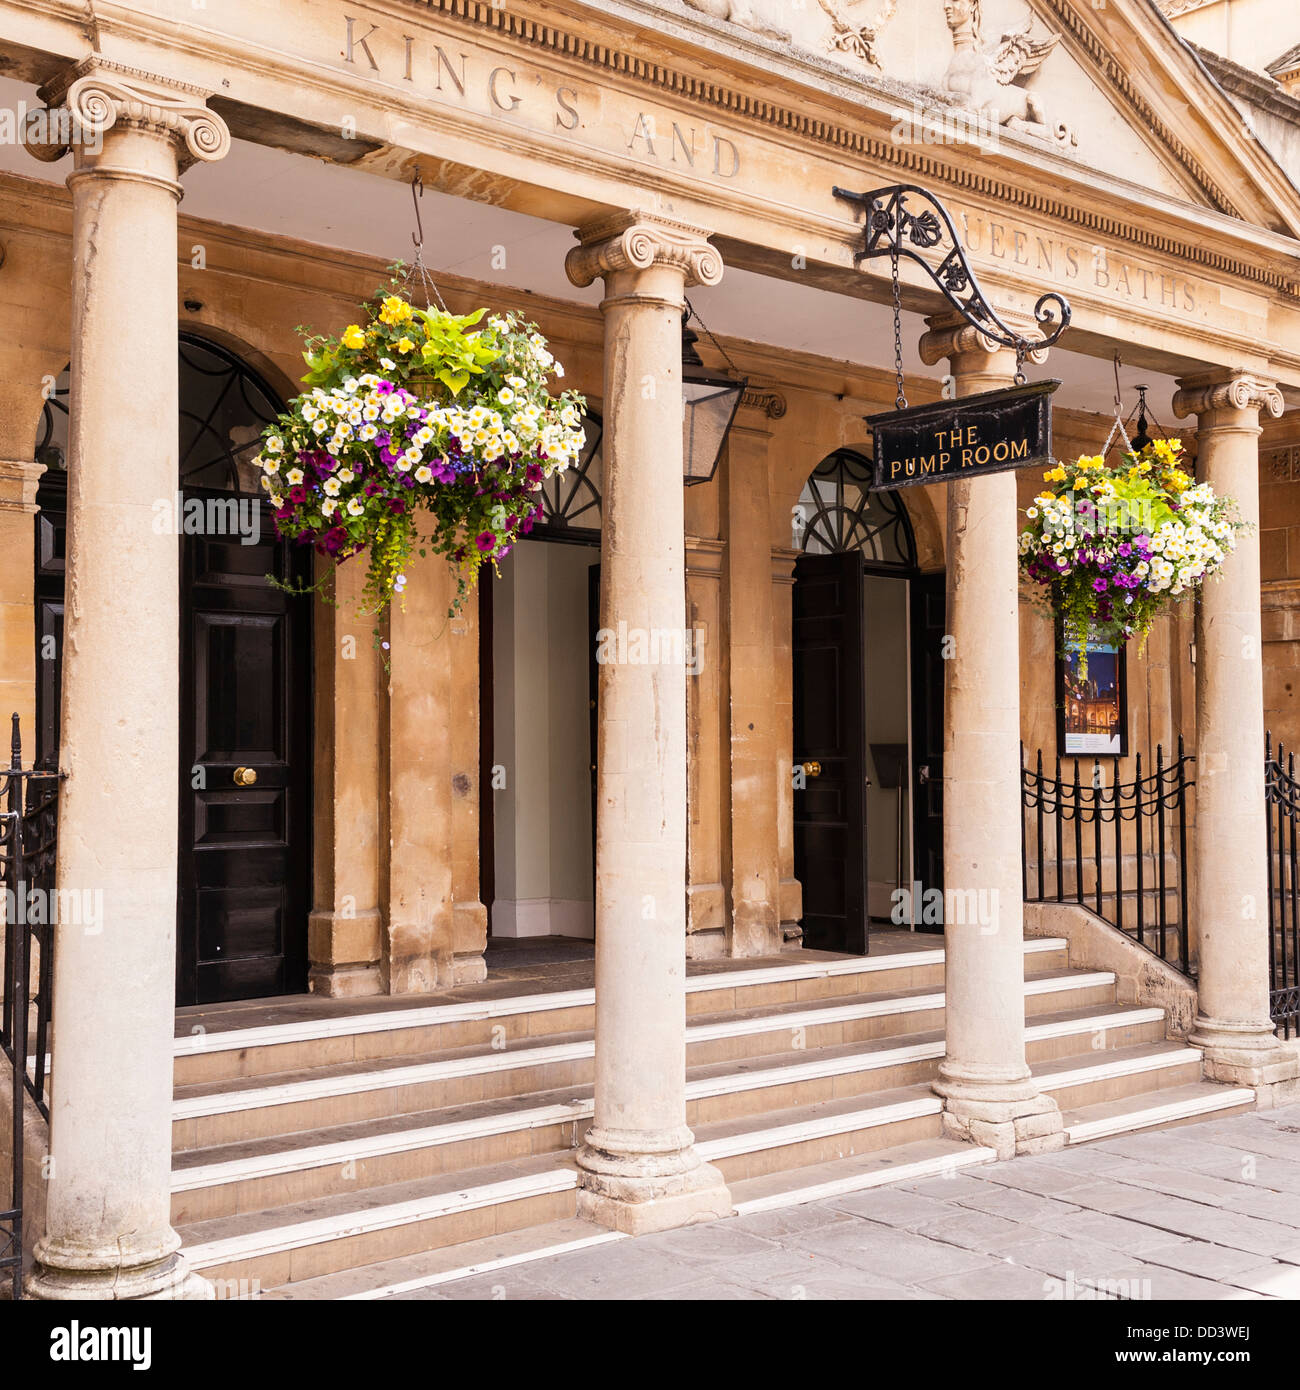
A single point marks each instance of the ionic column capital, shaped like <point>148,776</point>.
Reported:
<point>1241,391</point>
<point>99,95</point>
<point>639,240</point>
<point>952,335</point>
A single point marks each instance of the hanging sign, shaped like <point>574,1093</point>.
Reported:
<point>988,433</point>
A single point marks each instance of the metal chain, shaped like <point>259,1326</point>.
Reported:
<point>693,313</point>
<point>900,400</point>
<point>1021,348</point>
<point>417,267</point>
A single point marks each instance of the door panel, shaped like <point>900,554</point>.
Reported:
<point>829,729</point>
<point>928,628</point>
<point>245,701</point>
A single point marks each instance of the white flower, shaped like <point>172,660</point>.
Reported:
<point>506,396</point>
<point>424,474</point>
<point>274,444</point>
<point>355,507</point>
<point>346,475</point>
<point>328,507</point>
<point>293,477</point>
<point>331,487</point>
<point>387,364</point>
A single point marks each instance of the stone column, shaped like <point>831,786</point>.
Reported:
<point>988,1092</point>
<point>108,1233</point>
<point>1230,844</point>
<point>638,1165</point>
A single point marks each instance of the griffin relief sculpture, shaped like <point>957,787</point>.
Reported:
<point>989,78</point>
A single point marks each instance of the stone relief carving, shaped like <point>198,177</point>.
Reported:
<point>854,25</point>
<point>852,33</point>
<point>989,78</point>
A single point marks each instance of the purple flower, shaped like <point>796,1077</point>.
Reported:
<point>485,540</point>
<point>1125,549</point>
<point>1099,585</point>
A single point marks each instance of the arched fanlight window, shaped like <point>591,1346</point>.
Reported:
<point>224,406</point>
<point>52,433</point>
<point>839,511</point>
<point>571,499</point>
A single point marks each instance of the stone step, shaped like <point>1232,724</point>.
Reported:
<point>229,1178</point>
<point>394,1278</point>
<point>262,1250</point>
<point>218,1043</point>
<point>1148,1109</point>
<point>243,1109</point>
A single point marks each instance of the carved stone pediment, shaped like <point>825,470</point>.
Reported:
<point>847,29</point>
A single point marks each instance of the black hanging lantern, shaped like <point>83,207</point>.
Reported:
<point>711,401</point>
<point>1143,436</point>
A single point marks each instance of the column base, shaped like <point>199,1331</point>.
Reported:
<point>170,1279</point>
<point>1009,1115</point>
<point>1248,1054</point>
<point>651,1189</point>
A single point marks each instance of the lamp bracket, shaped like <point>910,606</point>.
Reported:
<point>894,229</point>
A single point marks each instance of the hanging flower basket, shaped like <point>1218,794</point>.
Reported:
<point>1111,548</point>
<point>420,429</point>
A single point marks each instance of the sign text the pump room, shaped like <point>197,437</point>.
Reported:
<point>988,433</point>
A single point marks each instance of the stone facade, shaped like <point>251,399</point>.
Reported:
<point>715,144</point>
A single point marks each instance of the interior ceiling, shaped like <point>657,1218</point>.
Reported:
<point>293,195</point>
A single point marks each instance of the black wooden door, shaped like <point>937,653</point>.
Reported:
<point>928,633</point>
<point>829,738</point>
<point>245,757</point>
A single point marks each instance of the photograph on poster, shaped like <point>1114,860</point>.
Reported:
<point>1091,700</point>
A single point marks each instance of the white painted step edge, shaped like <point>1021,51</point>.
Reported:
<point>291,1092</point>
<point>401,1141</point>
<point>1175,1055</point>
<point>1125,1122</point>
<point>200,1041</point>
<point>365,1220</point>
<point>450,1276</point>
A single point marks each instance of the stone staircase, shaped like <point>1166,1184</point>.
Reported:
<point>358,1154</point>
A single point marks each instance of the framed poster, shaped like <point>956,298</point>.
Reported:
<point>1091,705</point>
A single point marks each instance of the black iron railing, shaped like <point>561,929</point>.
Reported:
<point>1282,800</point>
<point>28,825</point>
<point>1119,848</point>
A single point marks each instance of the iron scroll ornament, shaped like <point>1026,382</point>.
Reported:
<point>893,229</point>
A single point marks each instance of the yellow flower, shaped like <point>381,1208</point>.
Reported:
<point>394,310</point>
<point>405,345</point>
<point>353,337</point>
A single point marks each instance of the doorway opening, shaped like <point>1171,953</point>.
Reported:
<point>538,619</point>
<point>868,682</point>
<point>244,661</point>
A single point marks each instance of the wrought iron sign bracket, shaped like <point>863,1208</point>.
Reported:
<point>893,228</point>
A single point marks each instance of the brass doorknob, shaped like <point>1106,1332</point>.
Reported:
<point>812,769</point>
<point>245,776</point>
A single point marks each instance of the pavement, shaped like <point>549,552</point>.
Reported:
<point>1201,1211</point>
